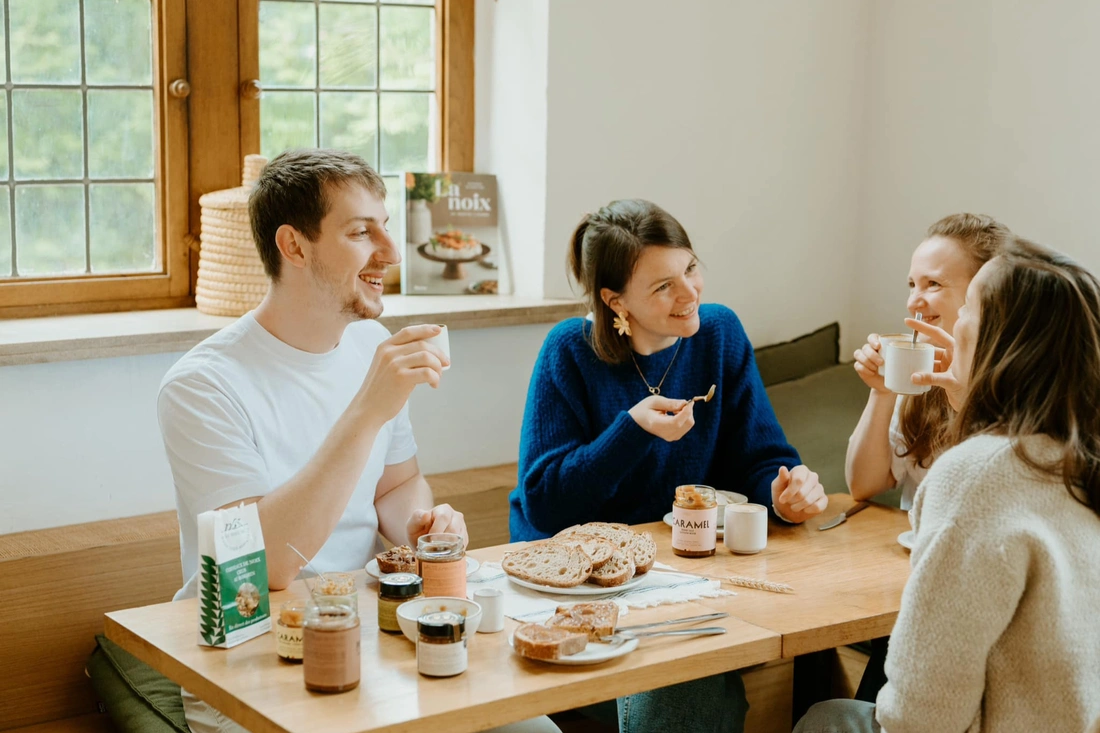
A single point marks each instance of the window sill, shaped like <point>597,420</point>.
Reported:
<point>96,336</point>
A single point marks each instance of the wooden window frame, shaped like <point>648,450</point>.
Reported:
<point>202,141</point>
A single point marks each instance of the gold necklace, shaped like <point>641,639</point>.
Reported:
<point>657,390</point>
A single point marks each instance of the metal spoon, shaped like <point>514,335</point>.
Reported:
<point>708,396</point>
<point>308,565</point>
<point>919,318</point>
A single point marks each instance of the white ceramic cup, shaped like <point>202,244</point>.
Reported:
<point>491,601</point>
<point>746,528</point>
<point>443,342</point>
<point>903,360</point>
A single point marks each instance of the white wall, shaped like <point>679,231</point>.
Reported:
<point>977,106</point>
<point>79,440</point>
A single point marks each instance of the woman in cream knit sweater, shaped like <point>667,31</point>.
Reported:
<point>998,628</point>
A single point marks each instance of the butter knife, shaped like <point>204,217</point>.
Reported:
<point>843,516</point>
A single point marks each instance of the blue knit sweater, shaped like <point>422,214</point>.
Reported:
<point>582,458</point>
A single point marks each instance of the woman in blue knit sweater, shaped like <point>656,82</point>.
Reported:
<point>609,430</point>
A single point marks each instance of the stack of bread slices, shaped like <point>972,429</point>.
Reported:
<point>602,553</point>
<point>567,632</point>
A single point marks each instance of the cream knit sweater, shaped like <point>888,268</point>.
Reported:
<point>999,628</point>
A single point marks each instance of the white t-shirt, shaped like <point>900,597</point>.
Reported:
<point>243,412</point>
<point>907,473</point>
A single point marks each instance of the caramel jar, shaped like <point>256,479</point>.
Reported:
<point>441,560</point>
<point>694,521</point>
<point>330,646</point>
<point>288,631</point>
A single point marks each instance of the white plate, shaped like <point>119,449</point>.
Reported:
<point>584,589</point>
<point>593,653</point>
<point>905,539</point>
<point>471,567</point>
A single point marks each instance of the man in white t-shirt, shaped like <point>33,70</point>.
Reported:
<point>301,405</point>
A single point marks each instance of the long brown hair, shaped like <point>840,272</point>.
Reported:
<point>925,418</point>
<point>604,252</point>
<point>1029,378</point>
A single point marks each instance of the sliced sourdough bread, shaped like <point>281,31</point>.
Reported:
<point>553,564</point>
<point>536,641</point>
<point>618,570</point>
<point>598,549</point>
<point>644,550</point>
<point>617,534</point>
<point>596,619</point>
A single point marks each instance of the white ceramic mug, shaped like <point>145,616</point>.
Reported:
<point>443,342</point>
<point>746,528</point>
<point>491,601</point>
<point>904,359</point>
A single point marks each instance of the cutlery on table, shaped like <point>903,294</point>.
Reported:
<point>621,636</point>
<point>843,516</point>
<point>675,621</point>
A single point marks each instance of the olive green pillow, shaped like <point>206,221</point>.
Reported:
<point>137,697</point>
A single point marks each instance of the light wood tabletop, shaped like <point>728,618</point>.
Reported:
<point>847,582</point>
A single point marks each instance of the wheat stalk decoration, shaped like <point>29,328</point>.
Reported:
<point>757,584</point>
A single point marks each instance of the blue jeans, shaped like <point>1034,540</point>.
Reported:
<point>839,716</point>
<point>711,705</point>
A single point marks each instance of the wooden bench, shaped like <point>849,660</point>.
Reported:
<point>56,584</point>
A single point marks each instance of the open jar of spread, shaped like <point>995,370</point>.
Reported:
<point>330,645</point>
<point>288,631</point>
<point>336,586</point>
<point>694,521</point>
<point>441,559</point>
<point>393,590</point>
<point>441,644</point>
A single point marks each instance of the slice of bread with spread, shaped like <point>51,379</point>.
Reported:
<point>400,559</point>
<point>536,641</point>
<point>596,619</point>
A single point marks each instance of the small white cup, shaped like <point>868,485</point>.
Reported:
<point>491,601</point>
<point>903,360</point>
<point>443,342</point>
<point>746,528</point>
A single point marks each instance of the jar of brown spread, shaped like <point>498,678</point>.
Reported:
<point>694,521</point>
<point>330,646</point>
<point>441,560</point>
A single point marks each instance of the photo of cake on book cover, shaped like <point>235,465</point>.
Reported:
<point>453,244</point>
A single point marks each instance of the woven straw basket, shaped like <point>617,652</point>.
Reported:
<point>231,276</point>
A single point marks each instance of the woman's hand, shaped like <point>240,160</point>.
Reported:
<point>797,495</point>
<point>668,419</point>
<point>868,361</point>
<point>941,375</point>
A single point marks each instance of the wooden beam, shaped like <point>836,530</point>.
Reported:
<point>457,84</point>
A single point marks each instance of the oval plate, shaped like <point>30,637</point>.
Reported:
<point>905,539</point>
<point>584,589</point>
<point>594,653</point>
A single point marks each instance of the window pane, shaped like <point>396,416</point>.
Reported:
<point>349,122</point>
<point>406,136</point>
<point>45,41</point>
<point>5,233</point>
<point>48,134</point>
<point>118,41</point>
<point>49,229</point>
<point>123,231</point>
<point>408,61</point>
<point>349,45</point>
<point>287,120</point>
<point>3,44</point>
<point>120,133</point>
<point>288,48</point>
<point>3,133</point>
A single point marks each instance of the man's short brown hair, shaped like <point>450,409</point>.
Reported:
<point>294,189</point>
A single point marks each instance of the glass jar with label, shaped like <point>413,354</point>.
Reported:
<point>334,586</point>
<point>393,590</point>
<point>330,645</point>
<point>441,644</point>
<point>441,560</point>
<point>288,631</point>
<point>694,521</point>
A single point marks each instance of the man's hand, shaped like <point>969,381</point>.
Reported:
<point>401,362</point>
<point>797,494</point>
<point>441,518</point>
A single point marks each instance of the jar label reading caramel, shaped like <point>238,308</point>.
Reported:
<point>444,578</point>
<point>288,642</point>
<point>694,530</point>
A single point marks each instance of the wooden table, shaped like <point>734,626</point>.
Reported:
<point>848,586</point>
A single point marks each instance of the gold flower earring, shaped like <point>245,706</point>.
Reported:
<point>621,324</point>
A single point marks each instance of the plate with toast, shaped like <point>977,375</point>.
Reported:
<point>596,558</point>
<point>402,559</point>
<point>572,636</point>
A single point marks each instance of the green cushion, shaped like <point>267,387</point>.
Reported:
<point>137,697</point>
<point>818,413</point>
<point>800,357</point>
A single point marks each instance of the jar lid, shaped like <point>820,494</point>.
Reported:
<point>400,585</point>
<point>442,625</point>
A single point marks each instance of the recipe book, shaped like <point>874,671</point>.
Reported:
<point>451,234</point>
